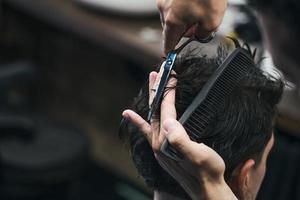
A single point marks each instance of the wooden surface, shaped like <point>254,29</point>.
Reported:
<point>123,35</point>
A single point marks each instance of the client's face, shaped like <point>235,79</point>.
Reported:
<point>257,172</point>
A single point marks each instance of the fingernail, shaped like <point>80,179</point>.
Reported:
<point>125,114</point>
<point>151,76</point>
<point>169,125</point>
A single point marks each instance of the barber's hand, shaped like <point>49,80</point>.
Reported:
<point>202,170</point>
<point>189,18</point>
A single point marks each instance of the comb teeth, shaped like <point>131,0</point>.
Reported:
<point>207,103</point>
<point>205,106</point>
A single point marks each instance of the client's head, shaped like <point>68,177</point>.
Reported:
<point>241,132</point>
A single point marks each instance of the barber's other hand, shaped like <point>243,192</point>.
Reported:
<point>201,172</point>
<point>189,18</point>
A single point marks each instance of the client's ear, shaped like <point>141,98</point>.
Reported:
<point>245,174</point>
<point>240,180</point>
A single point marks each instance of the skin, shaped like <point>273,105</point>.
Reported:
<point>201,173</point>
<point>246,180</point>
<point>203,18</point>
<point>180,18</point>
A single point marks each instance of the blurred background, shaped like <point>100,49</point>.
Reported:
<point>67,70</point>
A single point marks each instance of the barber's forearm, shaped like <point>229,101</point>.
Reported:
<point>217,191</point>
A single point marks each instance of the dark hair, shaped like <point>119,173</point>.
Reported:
<point>240,130</point>
<point>286,10</point>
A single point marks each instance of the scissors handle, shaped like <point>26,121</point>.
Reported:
<point>165,76</point>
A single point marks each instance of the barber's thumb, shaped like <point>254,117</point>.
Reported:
<point>176,135</point>
<point>172,34</point>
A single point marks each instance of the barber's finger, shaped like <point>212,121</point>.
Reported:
<point>162,19</point>
<point>158,76</point>
<point>172,33</point>
<point>152,89</point>
<point>139,122</point>
<point>178,138</point>
<point>190,33</point>
<point>155,86</point>
<point>198,32</point>
<point>204,32</point>
<point>168,109</point>
<point>151,98</point>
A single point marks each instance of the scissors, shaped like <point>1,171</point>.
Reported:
<point>167,68</point>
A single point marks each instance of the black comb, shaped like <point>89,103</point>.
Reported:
<point>206,104</point>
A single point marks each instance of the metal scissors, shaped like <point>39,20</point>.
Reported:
<point>167,68</point>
